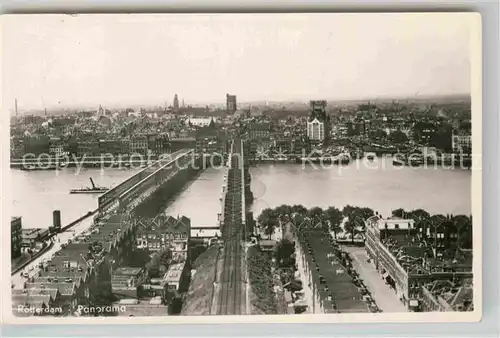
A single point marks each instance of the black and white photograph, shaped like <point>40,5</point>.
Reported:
<point>309,166</point>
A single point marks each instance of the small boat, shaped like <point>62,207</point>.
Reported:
<point>89,190</point>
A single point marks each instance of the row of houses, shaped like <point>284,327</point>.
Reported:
<point>165,232</point>
<point>329,285</point>
<point>80,273</point>
<point>412,265</point>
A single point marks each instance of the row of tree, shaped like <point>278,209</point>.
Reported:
<point>329,219</point>
<point>353,219</point>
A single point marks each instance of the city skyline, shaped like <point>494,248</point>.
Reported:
<point>128,59</point>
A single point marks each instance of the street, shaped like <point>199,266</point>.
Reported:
<point>384,296</point>
<point>62,238</point>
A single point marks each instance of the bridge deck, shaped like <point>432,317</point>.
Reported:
<point>230,297</point>
<point>131,184</point>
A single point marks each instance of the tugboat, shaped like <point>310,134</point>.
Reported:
<point>88,190</point>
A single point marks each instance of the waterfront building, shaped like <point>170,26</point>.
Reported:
<point>231,104</point>
<point>36,145</point>
<point>16,233</point>
<point>284,146</point>
<point>424,132</point>
<point>461,142</point>
<point>87,148</point>
<point>113,146</point>
<point>138,145</point>
<point>407,262</point>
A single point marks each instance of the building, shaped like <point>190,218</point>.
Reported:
<point>138,145</point>
<point>445,296</point>
<point>327,284</point>
<point>200,121</point>
<point>257,131</point>
<point>176,102</point>
<point>407,262</point>
<point>79,273</point>
<point>125,281</point>
<point>424,132</point>
<point>87,148</point>
<point>461,142</point>
<point>316,130</point>
<point>56,147</point>
<point>34,238</point>
<point>166,233</point>
<point>175,277</point>
<point>318,123</point>
<point>16,237</point>
<point>231,104</point>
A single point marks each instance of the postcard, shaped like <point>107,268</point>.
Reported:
<point>201,168</point>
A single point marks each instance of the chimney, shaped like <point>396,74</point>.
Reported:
<point>56,218</point>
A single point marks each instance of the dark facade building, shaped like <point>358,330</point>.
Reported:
<point>424,132</point>
<point>230,104</point>
<point>37,145</point>
<point>259,130</point>
<point>318,125</point>
<point>16,238</point>
<point>176,102</point>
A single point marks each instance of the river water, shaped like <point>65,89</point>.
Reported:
<point>37,193</point>
<point>438,191</point>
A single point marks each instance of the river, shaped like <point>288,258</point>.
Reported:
<point>36,194</point>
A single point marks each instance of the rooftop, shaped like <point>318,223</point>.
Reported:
<point>127,271</point>
<point>174,272</point>
<point>337,290</point>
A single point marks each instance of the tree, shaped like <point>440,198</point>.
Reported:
<point>463,225</point>
<point>284,253</point>
<point>300,209</point>
<point>334,217</point>
<point>299,220</point>
<point>348,209</point>
<point>421,218</point>
<point>315,214</point>
<point>365,213</point>
<point>399,213</point>
<point>268,221</point>
<point>283,211</point>
<point>434,222</point>
<point>165,257</point>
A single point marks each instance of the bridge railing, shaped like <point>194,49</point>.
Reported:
<point>117,191</point>
<point>154,178</point>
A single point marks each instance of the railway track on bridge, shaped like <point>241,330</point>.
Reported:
<point>230,299</point>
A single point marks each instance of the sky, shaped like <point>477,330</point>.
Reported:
<point>62,60</point>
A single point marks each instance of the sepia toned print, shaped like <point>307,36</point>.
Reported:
<point>312,166</point>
